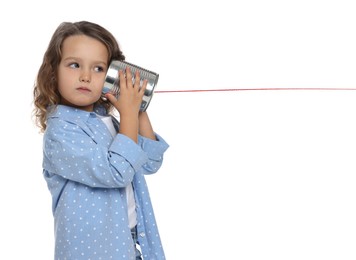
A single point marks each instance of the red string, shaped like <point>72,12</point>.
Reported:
<point>246,89</point>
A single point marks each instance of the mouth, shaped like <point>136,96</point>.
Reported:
<point>84,89</point>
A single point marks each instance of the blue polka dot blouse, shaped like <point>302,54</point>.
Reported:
<point>86,171</point>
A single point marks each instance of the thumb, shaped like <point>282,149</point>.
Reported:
<point>111,97</point>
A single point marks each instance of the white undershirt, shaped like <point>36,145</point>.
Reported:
<point>131,205</point>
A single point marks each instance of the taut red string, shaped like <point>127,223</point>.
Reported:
<point>246,89</point>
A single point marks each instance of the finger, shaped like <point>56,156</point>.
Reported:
<point>122,79</point>
<point>112,99</point>
<point>137,80</point>
<point>144,86</point>
<point>129,77</point>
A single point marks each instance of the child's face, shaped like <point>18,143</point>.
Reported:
<point>82,71</point>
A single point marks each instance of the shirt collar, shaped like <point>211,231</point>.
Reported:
<point>73,114</point>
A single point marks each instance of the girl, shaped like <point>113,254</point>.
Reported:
<point>94,166</point>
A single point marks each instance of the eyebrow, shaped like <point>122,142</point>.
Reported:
<point>77,58</point>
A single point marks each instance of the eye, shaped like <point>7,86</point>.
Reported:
<point>99,69</point>
<point>74,65</point>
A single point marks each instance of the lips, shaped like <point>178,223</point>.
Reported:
<point>84,89</point>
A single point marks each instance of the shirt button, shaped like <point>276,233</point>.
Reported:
<point>142,234</point>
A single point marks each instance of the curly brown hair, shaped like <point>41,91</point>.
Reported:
<point>46,88</point>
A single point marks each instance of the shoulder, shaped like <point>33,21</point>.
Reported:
<point>67,113</point>
<point>64,120</point>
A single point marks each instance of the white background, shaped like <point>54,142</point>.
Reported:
<point>249,174</point>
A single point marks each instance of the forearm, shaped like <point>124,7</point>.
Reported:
<point>129,126</point>
<point>145,126</point>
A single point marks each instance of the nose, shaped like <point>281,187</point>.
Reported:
<point>85,77</point>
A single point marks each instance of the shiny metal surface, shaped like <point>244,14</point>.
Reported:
<point>111,83</point>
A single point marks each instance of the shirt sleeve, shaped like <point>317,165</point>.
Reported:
<point>155,150</point>
<point>73,154</point>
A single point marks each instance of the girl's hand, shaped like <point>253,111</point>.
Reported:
<point>131,93</point>
<point>129,102</point>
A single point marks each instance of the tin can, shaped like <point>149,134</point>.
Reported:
<point>112,80</point>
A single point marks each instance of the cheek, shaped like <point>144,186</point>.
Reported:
<point>99,82</point>
<point>62,84</point>
<point>64,79</point>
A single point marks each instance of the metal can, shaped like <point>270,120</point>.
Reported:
<point>112,80</point>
